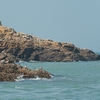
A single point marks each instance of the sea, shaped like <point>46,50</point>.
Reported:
<point>70,81</point>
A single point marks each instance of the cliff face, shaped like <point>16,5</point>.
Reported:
<point>19,46</point>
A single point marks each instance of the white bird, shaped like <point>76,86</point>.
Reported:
<point>25,66</point>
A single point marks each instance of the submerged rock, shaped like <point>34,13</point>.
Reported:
<point>11,72</point>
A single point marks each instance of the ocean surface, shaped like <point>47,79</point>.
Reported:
<point>71,81</point>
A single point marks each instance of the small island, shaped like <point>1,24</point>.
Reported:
<point>16,46</point>
<point>21,46</point>
<point>14,72</point>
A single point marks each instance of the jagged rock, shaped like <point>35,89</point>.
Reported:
<point>12,72</point>
<point>22,46</point>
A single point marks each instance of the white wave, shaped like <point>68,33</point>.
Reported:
<point>52,76</point>
<point>20,78</point>
<point>35,78</point>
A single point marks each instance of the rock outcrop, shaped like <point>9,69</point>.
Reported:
<point>19,46</point>
<point>14,72</point>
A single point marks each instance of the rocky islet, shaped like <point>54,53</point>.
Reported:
<point>25,47</point>
<point>15,72</point>
<point>15,46</point>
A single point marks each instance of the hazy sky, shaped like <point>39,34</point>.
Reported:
<point>74,21</point>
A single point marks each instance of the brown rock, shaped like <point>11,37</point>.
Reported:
<point>11,71</point>
<point>22,46</point>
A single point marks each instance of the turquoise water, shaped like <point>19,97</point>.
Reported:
<point>72,81</point>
